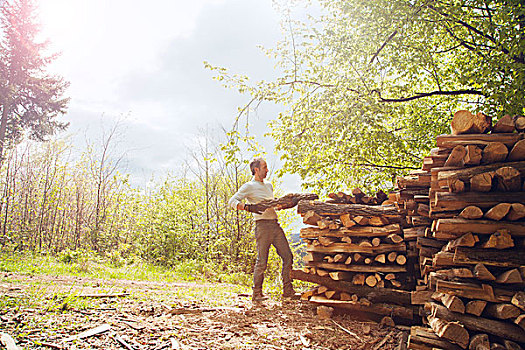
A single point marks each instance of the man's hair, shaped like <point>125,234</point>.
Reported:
<point>256,163</point>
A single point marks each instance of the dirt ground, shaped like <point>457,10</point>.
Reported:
<point>41,312</point>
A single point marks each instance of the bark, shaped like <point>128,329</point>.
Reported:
<point>288,201</point>
<point>383,295</point>
<point>465,122</point>
<point>498,328</point>
<point>518,152</point>
<point>504,125</point>
<point>494,152</point>
<point>339,209</point>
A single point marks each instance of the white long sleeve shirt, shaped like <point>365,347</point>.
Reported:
<point>254,192</point>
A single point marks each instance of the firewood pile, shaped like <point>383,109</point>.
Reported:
<point>472,249</point>
<point>357,255</point>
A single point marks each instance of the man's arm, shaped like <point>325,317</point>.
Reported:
<point>241,194</point>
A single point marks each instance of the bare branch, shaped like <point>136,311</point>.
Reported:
<point>383,46</point>
<point>428,94</point>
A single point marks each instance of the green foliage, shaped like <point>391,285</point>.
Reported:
<point>367,85</point>
<point>30,98</point>
<point>88,215</point>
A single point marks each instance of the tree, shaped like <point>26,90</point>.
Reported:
<point>30,98</point>
<point>367,85</point>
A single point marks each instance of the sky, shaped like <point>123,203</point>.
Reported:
<point>141,63</point>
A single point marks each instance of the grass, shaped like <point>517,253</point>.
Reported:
<point>91,266</point>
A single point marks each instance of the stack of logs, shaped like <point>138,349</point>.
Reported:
<point>472,259</point>
<point>357,255</point>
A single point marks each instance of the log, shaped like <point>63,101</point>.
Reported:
<point>517,152</point>
<point>339,209</point>
<point>401,260</point>
<point>376,308</point>
<point>311,218</point>
<point>394,238</point>
<point>520,321</point>
<point>494,152</point>
<point>519,122</point>
<point>392,256</point>
<point>471,212</point>
<point>371,281</point>
<point>356,231</point>
<point>479,324</point>
<point>465,122</point>
<point>469,290</point>
<point>479,341</point>
<point>322,273</point>
<point>516,212</point>
<point>458,227</point>
<point>327,241</point>
<point>510,277</point>
<point>288,201</point>
<point>451,302</point>
<point>500,239</point>
<point>467,240</point>
<point>375,295</point>
<point>355,248</point>
<point>510,258</point>
<point>365,243</point>
<point>481,182</point>
<point>445,201</point>
<point>361,220</point>
<point>455,159</point>
<point>396,284</point>
<point>390,276</point>
<point>324,223</point>
<point>450,274</point>
<point>473,155</point>
<point>425,339</point>
<point>518,300</point>
<point>507,179</point>
<point>358,268</point>
<point>346,239</point>
<point>340,276</point>
<point>339,258</point>
<point>452,331</point>
<point>329,293</point>
<point>455,185</point>
<point>378,221</point>
<point>380,258</point>
<point>450,141</point>
<point>475,307</point>
<point>482,273</point>
<point>497,212</point>
<point>504,125</point>
<point>502,311</point>
<point>443,174</point>
<point>347,221</point>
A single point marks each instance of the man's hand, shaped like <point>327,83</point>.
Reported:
<point>252,208</point>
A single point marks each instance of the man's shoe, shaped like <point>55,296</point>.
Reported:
<point>257,297</point>
<point>290,293</point>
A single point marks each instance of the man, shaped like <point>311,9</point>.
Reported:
<point>267,229</point>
